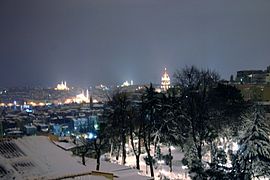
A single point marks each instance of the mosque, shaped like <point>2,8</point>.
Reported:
<point>80,98</point>
<point>62,86</point>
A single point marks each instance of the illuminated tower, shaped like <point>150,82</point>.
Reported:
<point>165,81</point>
<point>87,94</point>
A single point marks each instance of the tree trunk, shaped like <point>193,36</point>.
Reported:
<point>170,158</point>
<point>97,149</point>
<point>149,157</point>
<point>136,153</point>
<point>83,159</point>
<point>151,166</point>
<point>98,161</point>
<point>137,162</point>
<point>111,150</point>
<point>155,147</point>
<point>118,152</point>
<point>199,151</point>
<point>212,151</point>
<point>123,149</point>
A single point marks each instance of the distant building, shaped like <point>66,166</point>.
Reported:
<point>30,130</point>
<point>86,124</point>
<point>267,78</point>
<point>62,86</point>
<point>248,76</point>
<point>268,69</point>
<point>126,83</point>
<point>102,87</point>
<point>165,81</point>
<point>61,126</point>
<point>80,98</point>
<point>253,76</point>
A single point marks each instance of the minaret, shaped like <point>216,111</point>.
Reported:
<point>87,94</point>
<point>165,81</point>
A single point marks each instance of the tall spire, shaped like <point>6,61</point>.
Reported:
<point>165,80</point>
<point>87,94</point>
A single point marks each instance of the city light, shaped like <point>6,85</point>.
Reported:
<point>165,81</point>
<point>61,87</point>
<point>126,83</point>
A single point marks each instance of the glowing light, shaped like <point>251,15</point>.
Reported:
<point>68,101</point>
<point>172,147</point>
<point>29,110</point>
<point>161,162</point>
<point>184,167</point>
<point>126,83</point>
<point>158,90</point>
<point>80,98</point>
<point>96,126</point>
<point>84,136</point>
<point>62,86</point>
<point>235,146</point>
<point>33,103</point>
<point>90,135</point>
<point>41,104</point>
<point>165,81</point>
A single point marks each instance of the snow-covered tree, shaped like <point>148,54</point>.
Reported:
<point>207,107</point>
<point>150,103</point>
<point>118,118</point>
<point>253,157</point>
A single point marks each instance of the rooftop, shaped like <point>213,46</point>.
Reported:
<point>36,157</point>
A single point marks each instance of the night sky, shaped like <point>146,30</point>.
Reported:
<point>88,42</point>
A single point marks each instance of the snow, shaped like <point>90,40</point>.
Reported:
<point>64,145</point>
<point>43,159</point>
<point>161,169</point>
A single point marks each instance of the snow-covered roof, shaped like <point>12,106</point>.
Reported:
<point>36,157</point>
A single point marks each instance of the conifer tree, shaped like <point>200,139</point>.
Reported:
<point>254,152</point>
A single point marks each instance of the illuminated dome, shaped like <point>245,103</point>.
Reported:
<point>165,81</point>
<point>62,86</point>
<point>82,98</point>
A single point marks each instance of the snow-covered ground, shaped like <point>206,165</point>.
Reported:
<point>161,169</point>
<point>36,157</point>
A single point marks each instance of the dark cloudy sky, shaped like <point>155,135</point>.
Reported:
<point>88,42</point>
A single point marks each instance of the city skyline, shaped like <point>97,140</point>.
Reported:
<point>92,42</point>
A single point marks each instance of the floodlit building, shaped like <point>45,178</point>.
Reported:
<point>62,86</point>
<point>126,83</point>
<point>82,97</point>
<point>165,81</point>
